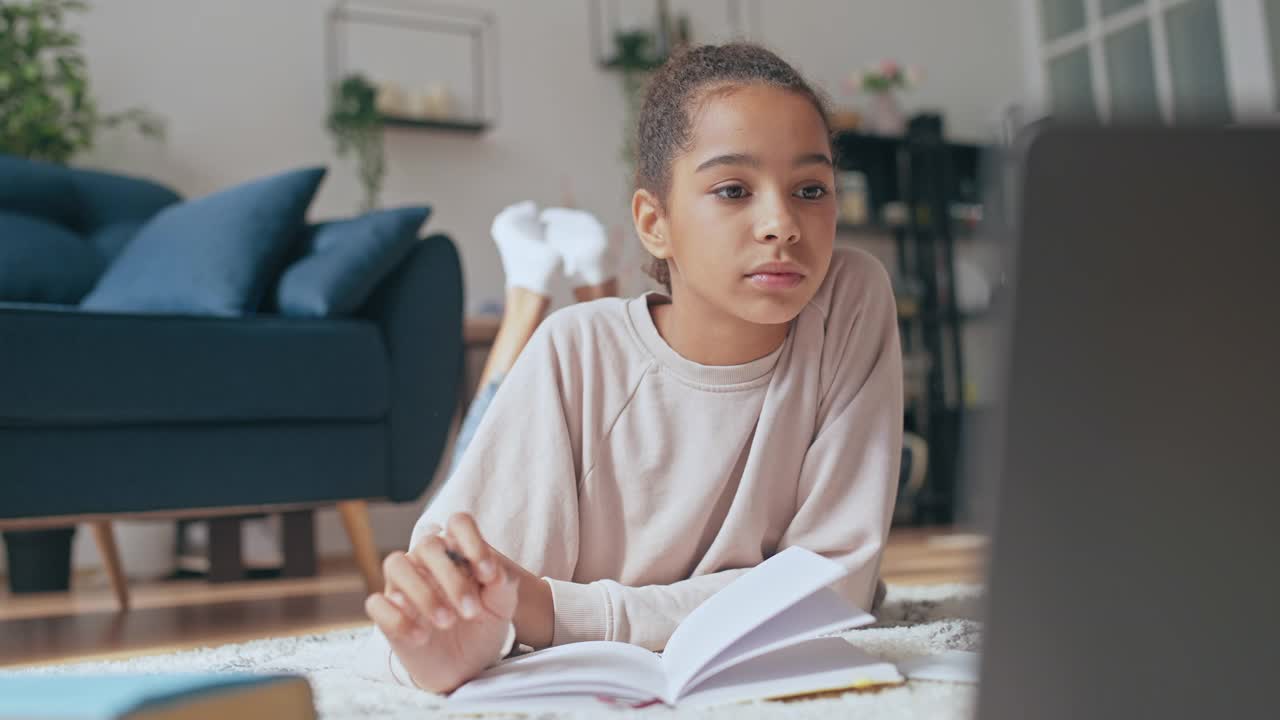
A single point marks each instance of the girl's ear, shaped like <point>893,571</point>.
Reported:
<point>651,224</point>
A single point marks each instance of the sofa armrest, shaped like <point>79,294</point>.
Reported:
<point>63,365</point>
<point>419,308</point>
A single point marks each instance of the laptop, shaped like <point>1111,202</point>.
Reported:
<point>1135,554</point>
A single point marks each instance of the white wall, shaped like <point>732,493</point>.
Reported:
<point>242,85</point>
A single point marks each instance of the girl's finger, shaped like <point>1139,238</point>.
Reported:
<point>461,591</point>
<point>466,536</point>
<point>394,622</point>
<point>405,576</point>
<point>486,590</point>
<point>443,616</point>
<point>402,603</point>
<point>497,596</point>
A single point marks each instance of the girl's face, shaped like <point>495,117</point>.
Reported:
<point>750,216</point>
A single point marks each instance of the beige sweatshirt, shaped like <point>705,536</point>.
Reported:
<point>639,483</point>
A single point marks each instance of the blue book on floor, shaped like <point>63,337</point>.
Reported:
<point>241,696</point>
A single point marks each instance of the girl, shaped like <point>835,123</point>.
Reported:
<point>643,453</point>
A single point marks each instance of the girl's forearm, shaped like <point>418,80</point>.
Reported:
<point>535,610</point>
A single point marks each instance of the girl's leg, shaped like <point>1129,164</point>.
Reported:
<point>524,311</point>
<point>532,248</point>
<point>522,314</point>
<point>528,263</point>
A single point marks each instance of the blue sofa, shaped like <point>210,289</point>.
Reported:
<point>107,415</point>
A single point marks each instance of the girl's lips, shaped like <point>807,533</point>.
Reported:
<point>776,280</point>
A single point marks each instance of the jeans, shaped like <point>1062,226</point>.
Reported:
<point>475,413</point>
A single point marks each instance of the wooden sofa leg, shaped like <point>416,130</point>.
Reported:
<point>106,542</point>
<point>355,518</point>
<point>225,562</point>
<point>299,543</point>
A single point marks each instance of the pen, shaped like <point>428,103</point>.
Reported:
<point>458,560</point>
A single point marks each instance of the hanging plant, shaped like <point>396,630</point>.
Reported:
<point>46,111</point>
<point>636,54</point>
<point>356,126</point>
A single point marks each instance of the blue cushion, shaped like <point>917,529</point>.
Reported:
<point>107,199</point>
<point>42,189</point>
<point>41,262</point>
<point>209,256</point>
<point>110,239</point>
<point>345,260</point>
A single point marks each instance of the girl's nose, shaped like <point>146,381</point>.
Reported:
<point>778,224</point>
<point>791,239</point>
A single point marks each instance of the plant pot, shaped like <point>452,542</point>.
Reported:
<point>147,548</point>
<point>39,560</point>
<point>886,114</point>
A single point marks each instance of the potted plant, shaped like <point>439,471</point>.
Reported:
<point>356,125</point>
<point>46,109</point>
<point>882,81</point>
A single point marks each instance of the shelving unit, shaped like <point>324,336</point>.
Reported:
<point>606,19</point>
<point>964,216</point>
<point>936,178</point>
<point>474,26</point>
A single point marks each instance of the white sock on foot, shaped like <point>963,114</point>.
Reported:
<point>589,256</point>
<point>527,259</point>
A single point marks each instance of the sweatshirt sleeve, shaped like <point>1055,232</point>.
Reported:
<point>849,478</point>
<point>644,616</point>
<point>518,477</point>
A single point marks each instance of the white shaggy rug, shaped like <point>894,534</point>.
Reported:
<point>914,621</point>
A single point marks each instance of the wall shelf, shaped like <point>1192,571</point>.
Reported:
<point>965,220</point>
<point>450,125</point>
<point>845,228</point>
<point>607,18</point>
<point>437,24</point>
<point>617,64</point>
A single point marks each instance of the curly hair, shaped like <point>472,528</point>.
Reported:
<point>690,78</point>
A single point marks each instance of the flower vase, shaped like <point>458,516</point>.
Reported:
<point>886,114</point>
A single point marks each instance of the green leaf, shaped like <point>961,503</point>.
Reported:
<point>356,126</point>
<point>46,107</point>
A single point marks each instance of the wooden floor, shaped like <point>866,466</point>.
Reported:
<point>168,616</point>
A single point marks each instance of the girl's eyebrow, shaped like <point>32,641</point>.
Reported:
<point>754,162</point>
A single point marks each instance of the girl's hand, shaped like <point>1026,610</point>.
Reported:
<point>446,620</point>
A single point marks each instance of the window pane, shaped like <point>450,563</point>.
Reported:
<point>1071,86</point>
<point>1061,17</point>
<point>1273,40</point>
<point>1131,74</point>
<point>1196,63</point>
<point>1111,7</point>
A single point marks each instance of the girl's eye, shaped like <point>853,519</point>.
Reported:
<point>731,192</point>
<point>813,192</point>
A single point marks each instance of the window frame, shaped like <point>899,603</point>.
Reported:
<point>1251,89</point>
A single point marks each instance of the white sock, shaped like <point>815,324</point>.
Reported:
<point>527,259</point>
<point>590,258</point>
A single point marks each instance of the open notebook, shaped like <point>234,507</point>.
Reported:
<point>759,637</point>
